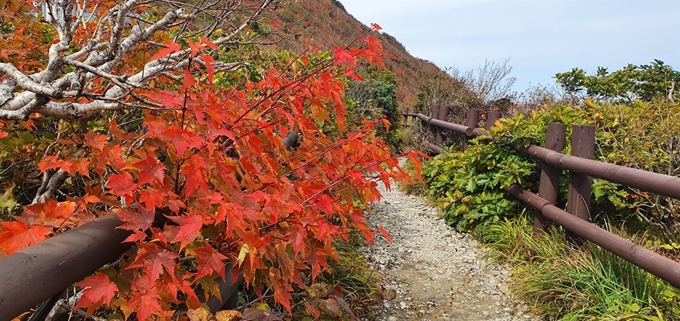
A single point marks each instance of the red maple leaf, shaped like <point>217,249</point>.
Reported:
<point>298,234</point>
<point>149,168</point>
<point>98,290</point>
<point>96,141</point>
<point>174,286</point>
<point>139,219</point>
<point>209,261</point>
<point>342,55</point>
<point>169,48</point>
<point>136,236</point>
<point>151,198</point>
<point>182,139</point>
<point>145,304</point>
<point>122,184</point>
<point>208,43</point>
<point>80,166</point>
<point>189,226</point>
<point>153,259</point>
<point>195,171</point>
<point>19,235</point>
<point>325,203</point>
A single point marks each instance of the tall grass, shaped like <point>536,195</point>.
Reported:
<point>513,241</point>
<point>358,281</point>
<point>564,284</point>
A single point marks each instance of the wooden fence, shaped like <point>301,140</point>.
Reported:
<point>581,169</point>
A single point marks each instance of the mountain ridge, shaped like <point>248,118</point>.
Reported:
<point>324,23</point>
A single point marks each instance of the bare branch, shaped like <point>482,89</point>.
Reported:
<point>27,83</point>
<point>49,186</point>
<point>52,90</point>
<point>23,112</point>
<point>489,82</point>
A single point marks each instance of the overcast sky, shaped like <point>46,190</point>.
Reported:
<point>542,37</point>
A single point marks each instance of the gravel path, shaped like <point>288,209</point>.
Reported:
<point>433,272</point>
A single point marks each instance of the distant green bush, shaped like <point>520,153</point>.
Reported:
<point>375,98</point>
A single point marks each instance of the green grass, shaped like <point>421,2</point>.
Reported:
<point>564,284</point>
<point>513,241</point>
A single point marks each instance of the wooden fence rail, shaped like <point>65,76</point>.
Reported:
<point>581,169</point>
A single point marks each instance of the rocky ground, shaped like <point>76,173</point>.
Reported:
<point>433,272</point>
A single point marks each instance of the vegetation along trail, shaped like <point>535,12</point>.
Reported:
<point>431,271</point>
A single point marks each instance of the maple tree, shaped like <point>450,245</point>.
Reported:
<point>150,118</point>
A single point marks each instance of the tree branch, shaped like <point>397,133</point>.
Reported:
<point>51,91</point>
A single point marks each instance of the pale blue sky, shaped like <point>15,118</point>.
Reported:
<point>542,37</point>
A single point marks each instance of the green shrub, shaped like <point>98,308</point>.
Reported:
<point>375,98</point>
<point>643,135</point>
<point>468,184</point>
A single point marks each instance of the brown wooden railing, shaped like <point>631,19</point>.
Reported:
<point>581,169</point>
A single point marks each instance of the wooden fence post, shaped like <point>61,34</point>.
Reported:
<point>578,201</point>
<point>443,112</point>
<point>434,113</point>
<point>549,184</point>
<point>472,121</point>
<point>491,119</point>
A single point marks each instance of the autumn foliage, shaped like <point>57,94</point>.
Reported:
<point>200,176</point>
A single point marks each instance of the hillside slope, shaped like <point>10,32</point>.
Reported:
<point>324,23</point>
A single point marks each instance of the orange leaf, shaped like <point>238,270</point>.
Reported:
<point>209,43</point>
<point>19,235</point>
<point>151,198</point>
<point>195,172</point>
<point>342,56</point>
<point>50,162</point>
<point>298,234</point>
<point>169,48</point>
<point>136,236</point>
<point>91,198</point>
<point>385,234</point>
<point>95,141</point>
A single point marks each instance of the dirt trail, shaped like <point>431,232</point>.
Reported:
<point>433,272</point>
